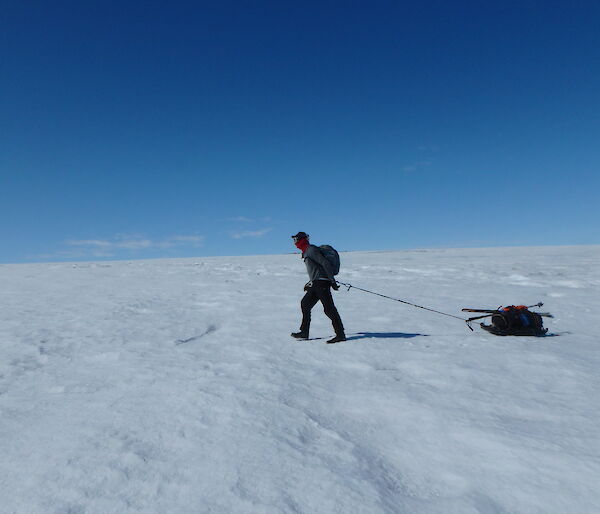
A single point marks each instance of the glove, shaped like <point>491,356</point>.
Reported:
<point>335,286</point>
<point>307,286</point>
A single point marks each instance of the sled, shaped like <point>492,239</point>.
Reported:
<point>523,331</point>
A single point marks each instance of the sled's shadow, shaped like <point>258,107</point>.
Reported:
<point>383,335</point>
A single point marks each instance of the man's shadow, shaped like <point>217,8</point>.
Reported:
<point>383,335</point>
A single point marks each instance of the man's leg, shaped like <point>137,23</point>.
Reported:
<point>323,291</point>
<point>308,302</point>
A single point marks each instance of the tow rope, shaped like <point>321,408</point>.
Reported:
<point>467,321</point>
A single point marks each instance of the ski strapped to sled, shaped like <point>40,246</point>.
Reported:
<point>491,312</point>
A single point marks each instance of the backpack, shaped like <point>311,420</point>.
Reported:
<point>331,254</point>
<point>518,320</point>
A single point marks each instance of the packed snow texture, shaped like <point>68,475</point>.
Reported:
<point>173,386</point>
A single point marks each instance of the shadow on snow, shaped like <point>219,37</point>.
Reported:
<point>383,335</point>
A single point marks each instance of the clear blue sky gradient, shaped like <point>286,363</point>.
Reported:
<point>175,129</point>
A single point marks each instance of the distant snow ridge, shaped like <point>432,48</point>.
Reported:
<point>173,386</point>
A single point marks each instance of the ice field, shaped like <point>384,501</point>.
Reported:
<point>173,386</point>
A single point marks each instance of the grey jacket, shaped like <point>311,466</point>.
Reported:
<point>317,265</point>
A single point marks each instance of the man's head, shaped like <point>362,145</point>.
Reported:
<point>299,236</point>
<point>301,240</point>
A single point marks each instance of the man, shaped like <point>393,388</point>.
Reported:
<point>318,288</point>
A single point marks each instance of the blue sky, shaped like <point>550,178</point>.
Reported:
<point>175,129</point>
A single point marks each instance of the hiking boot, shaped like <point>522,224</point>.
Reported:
<point>337,339</point>
<point>300,335</point>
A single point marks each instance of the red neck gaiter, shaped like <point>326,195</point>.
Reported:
<point>302,245</point>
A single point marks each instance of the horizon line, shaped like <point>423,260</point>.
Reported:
<point>390,250</point>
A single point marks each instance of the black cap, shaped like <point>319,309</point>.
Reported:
<point>300,235</point>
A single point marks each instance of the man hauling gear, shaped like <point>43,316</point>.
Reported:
<point>322,264</point>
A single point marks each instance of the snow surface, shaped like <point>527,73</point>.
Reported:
<point>173,386</point>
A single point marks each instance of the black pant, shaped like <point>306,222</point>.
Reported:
<point>320,291</point>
